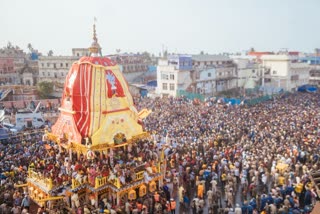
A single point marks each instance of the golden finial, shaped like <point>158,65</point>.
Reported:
<point>94,33</point>
<point>95,48</point>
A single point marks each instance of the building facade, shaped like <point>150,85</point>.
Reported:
<point>12,55</point>
<point>133,66</point>
<point>206,83</point>
<point>285,71</point>
<point>314,63</point>
<point>249,72</point>
<point>223,67</point>
<point>54,68</point>
<point>6,70</point>
<point>173,74</point>
<point>79,52</point>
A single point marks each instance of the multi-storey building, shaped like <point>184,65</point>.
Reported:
<point>249,72</point>
<point>133,66</point>
<point>214,73</point>
<point>174,74</point>
<point>79,52</point>
<point>284,71</point>
<point>6,70</point>
<point>8,56</point>
<point>314,63</point>
<point>54,68</point>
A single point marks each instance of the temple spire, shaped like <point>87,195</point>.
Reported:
<point>95,49</point>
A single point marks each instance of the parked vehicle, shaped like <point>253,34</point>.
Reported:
<point>27,119</point>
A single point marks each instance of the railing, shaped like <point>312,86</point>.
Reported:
<point>39,178</point>
<point>139,176</point>
<point>50,198</point>
<point>101,181</point>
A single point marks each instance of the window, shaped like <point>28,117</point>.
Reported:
<point>61,64</point>
<point>62,74</point>
<point>164,86</point>
<point>48,64</point>
<point>209,74</point>
<point>172,76</point>
<point>274,72</point>
<point>54,65</point>
<point>42,64</point>
<point>220,74</point>
<point>67,65</point>
<point>48,74</point>
<point>164,76</point>
<point>171,86</point>
<point>253,71</point>
<point>43,74</point>
<point>78,54</point>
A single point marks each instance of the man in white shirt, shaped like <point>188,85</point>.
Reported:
<point>214,185</point>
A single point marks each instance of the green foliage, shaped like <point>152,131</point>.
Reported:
<point>45,89</point>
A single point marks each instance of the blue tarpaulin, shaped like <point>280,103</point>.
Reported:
<point>232,101</point>
<point>307,88</point>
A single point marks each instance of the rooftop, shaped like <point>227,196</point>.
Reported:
<point>210,57</point>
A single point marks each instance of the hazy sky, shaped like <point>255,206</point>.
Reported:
<point>184,26</point>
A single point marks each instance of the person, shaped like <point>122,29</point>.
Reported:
<point>86,210</point>
<point>173,206</point>
<point>4,208</point>
<point>15,209</point>
<point>41,210</point>
<point>128,207</point>
<point>25,204</point>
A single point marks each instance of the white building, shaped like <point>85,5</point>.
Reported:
<point>173,74</point>
<point>249,72</point>
<point>79,52</point>
<point>206,83</point>
<point>284,71</point>
<point>55,68</point>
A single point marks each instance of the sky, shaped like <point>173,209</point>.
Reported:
<point>180,26</point>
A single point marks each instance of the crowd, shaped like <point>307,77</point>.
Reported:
<point>220,158</point>
<point>224,151</point>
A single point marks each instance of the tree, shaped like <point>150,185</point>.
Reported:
<point>201,52</point>
<point>50,53</point>
<point>45,89</point>
<point>252,49</point>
